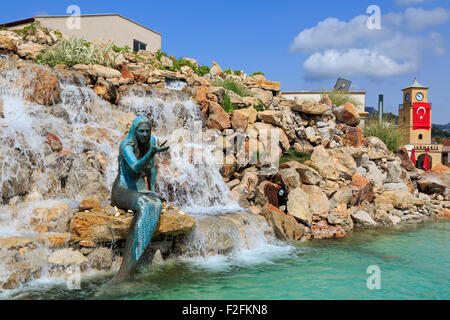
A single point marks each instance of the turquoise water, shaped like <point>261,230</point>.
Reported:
<point>414,263</point>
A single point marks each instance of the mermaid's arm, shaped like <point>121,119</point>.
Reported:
<point>134,164</point>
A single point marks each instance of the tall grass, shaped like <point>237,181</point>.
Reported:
<point>387,131</point>
<point>339,98</point>
<point>74,51</point>
<point>232,85</point>
<point>227,105</point>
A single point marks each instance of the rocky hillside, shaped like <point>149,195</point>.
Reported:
<point>330,180</point>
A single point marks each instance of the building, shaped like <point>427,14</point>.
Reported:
<point>359,98</point>
<point>98,27</point>
<point>414,119</point>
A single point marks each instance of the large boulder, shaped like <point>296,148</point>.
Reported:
<point>407,164</point>
<point>218,118</point>
<point>363,219</point>
<point>106,90</point>
<point>347,114</point>
<point>323,163</point>
<point>271,116</point>
<point>285,226</point>
<point>318,201</point>
<point>68,257</point>
<point>362,190</point>
<point>290,178</point>
<point>323,230</point>
<point>298,206</point>
<point>96,70</point>
<point>397,198</point>
<point>307,107</point>
<point>240,119</point>
<point>353,137</point>
<point>101,258</point>
<point>30,50</point>
<point>307,174</point>
<point>9,40</point>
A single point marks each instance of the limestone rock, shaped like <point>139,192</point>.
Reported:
<point>399,199</point>
<point>90,203</point>
<point>106,90</point>
<point>101,258</point>
<point>363,219</point>
<point>218,118</point>
<point>318,201</point>
<point>30,50</point>
<point>362,190</point>
<point>407,164</point>
<point>298,206</point>
<point>307,107</point>
<point>271,116</point>
<point>290,178</point>
<point>240,119</point>
<point>322,162</point>
<point>323,230</point>
<point>307,174</point>
<point>347,114</point>
<point>41,86</point>
<point>342,196</point>
<point>67,257</point>
<point>9,40</point>
<point>96,70</point>
<point>353,137</point>
<point>286,227</point>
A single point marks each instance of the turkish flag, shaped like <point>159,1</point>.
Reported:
<point>421,115</point>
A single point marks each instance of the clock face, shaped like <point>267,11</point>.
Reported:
<point>407,97</point>
<point>419,96</point>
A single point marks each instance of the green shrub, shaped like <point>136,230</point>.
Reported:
<point>237,72</point>
<point>387,131</point>
<point>257,73</point>
<point>259,106</point>
<point>74,51</point>
<point>160,53</point>
<point>121,49</point>
<point>292,155</point>
<point>227,105</point>
<point>28,30</point>
<point>201,71</point>
<point>233,86</point>
<point>228,71</point>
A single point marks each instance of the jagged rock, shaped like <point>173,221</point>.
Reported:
<point>362,190</point>
<point>342,196</point>
<point>344,163</point>
<point>271,116</point>
<point>240,119</point>
<point>216,70</point>
<point>270,191</point>
<point>399,199</point>
<point>303,147</point>
<point>307,107</point>
<point>54,142</point>
<point>30,50</point>
<point>383,218</point>
<point>90,203</point>
<point>430,187</point>
<point>363,219</point>
<point>218,118</point>
<point>290,178</point>
<point>318,201</point>
<point>166,62</point>
<point>286,227</point>
<point>229,166</point>
<point>298,206</point>
<point>322,230</point>
<point>375,142</point>
<point>50,240</point>
<point>394,172</point>
<point>106,90</point>
<point>264,95</point>
<point>347,114</point>
<point>101,258</point>
<point>353,137</point>
<point>236,99</point>
<point>9,40</point>
<point>322,162</point>
<point>407,164</point>
<point>341,216</point>
<point>67,257</point>
<point>96,70</point>
<point>307,174</point>
<point>193,61</point>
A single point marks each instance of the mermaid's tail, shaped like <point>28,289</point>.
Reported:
<point>141,232</point>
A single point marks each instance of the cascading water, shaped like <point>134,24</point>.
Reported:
<point>90,130</point>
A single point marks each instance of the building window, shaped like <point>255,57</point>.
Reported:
<point>137,45</point>
<point>420,136</point>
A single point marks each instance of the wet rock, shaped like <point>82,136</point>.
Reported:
<point>383,218</point>
<point>40,86</point>
<point>323,230</point>
<point>101,258</point>
<point>96,70</point>
<point>285,226</point>
<point>298,206</point>
<point>271,193</point>
<point>67,257</point>
<point>90,203</point>
<point>363,219</point>
<point>106,90</point>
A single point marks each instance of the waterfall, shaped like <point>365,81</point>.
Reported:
<point>89,129</point>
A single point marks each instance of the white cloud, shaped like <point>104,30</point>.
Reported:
<point>419,19</point>
<point>341,48</point>
<point>354,62</point>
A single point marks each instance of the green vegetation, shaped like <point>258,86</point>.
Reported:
<point>159,54</point>
<point>438,135</point>
<point>178,63</point>
<point>259,106</point>
<point>257,73</point>
<point>237,72</point>
<point>232,85</point>
<point>74,51</point>
<point>118,49</point>
<point>292,155</point>
<point>29,30</point>
<point>387,131</point>
<point>338,98</point>
<point>228,71</point>
<point>227,105</point>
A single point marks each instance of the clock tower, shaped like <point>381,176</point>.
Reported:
<point>414,119</point>
<point>414,115</point>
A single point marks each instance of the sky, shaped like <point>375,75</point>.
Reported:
<point>306,45</point>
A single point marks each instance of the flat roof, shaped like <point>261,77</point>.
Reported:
<point>23,21</point>
<point>315,92</point>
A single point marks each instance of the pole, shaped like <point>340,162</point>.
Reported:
<point>380,108</point>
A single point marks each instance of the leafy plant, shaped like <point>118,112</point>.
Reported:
<point>228,71</point>
<point>259,106</point>
<point>227,105</point>
<point>257,73</point>
<point>232,85</point>
<point>292,155</point>
<point>74,51</point>
<point>387,131</point>
<point>159,54</point>
<point>237,72</point>
<point>28,30</point>
<point>121,49</point>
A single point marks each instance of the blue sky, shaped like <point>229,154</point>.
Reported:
<point>305,45</point>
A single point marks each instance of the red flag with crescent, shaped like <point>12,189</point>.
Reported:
<point>421,115</point>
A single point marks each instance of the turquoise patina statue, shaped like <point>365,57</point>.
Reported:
<point>129,192</point>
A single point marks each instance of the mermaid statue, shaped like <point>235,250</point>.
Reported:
<point>130,192</point>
